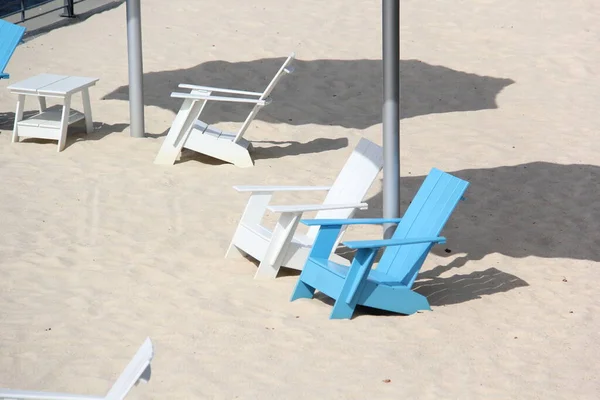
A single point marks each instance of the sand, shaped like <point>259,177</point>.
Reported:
<point>101,248</point>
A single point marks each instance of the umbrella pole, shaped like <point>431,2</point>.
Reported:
<point>136,69</point>
<point>391,113</point>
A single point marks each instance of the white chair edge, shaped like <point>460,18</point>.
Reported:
<point>131,375</point>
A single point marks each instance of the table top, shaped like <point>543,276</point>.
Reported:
<point>52,85</point>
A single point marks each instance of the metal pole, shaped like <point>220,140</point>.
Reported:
<point>391,113</point>
<point>69,9</point>
<point>136,69</point>
<point>22,10</point>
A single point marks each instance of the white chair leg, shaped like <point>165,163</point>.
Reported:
<point>280,241</point>
<point>18,117</point>
<point>42,103</point>
<point>179,132</point>
<point>235,252</point>
<point>87,110</point>
<point>242,159</point>
<point>64,123</point>
<point>253,214</point>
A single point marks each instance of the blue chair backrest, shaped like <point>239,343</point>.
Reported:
<point>425,217</point>
<point>10,36</point>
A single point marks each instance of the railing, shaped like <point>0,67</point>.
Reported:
<point>23,6</point>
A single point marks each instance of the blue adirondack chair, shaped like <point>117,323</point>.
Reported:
<point>387,287</point>
<point>10,37</point>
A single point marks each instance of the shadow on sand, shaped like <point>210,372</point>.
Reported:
<point>455,289</point>
<point>538,209</point>
<point>76,131</point>
<point>544,210</point>
<point>345,93</point>
<point>62,22</point>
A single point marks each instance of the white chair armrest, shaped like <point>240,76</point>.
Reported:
<point>195,96</point>
<point>216,89</point>
<point>31,395</point>
<point>315,207</point>
<point>280,188</point>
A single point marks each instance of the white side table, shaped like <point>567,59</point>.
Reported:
<point>52,123</point>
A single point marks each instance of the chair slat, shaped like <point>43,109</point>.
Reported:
<point>10,37</point>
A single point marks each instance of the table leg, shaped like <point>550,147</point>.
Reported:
<point>87,110</point>
<point>42,101</point>
<point>64,123</point>
<point>18,117</point>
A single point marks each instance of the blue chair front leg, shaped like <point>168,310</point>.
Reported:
<point>322,247</point>
<point>302,291</point>
<point>355,281</point>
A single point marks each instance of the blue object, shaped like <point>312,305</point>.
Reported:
<point>10,36</point>
<point>388,287</point>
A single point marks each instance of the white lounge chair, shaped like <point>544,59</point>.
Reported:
<point>286,247</point>
<point>138,370</point>
<point>187,131</point>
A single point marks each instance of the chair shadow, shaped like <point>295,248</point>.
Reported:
<point>455,289</point>
<point>188,155</point>
<point>537,209</point>
<point>280,150</point>
<point>344,93</point>
<point>462,288</point>
<point>293,148</point>
<point>147,374</point>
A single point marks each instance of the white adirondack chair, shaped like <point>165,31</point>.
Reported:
<point>138,370</point>
<point>189,132</point>
<point>286,247</point>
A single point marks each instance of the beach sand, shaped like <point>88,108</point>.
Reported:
<point>101,248</point>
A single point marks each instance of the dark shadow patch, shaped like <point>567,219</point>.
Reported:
<point>75,133</point>
<point>60,22</point>
<point>345,93</point>
<point>546,210</point>
<point>462,288</point>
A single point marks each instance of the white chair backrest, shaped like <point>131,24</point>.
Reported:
<point>285,68</point>
<point>353,181</point>
<point>133,372</point>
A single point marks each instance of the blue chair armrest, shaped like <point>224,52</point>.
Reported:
<point>371,244</point>
<point>356,221</point>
